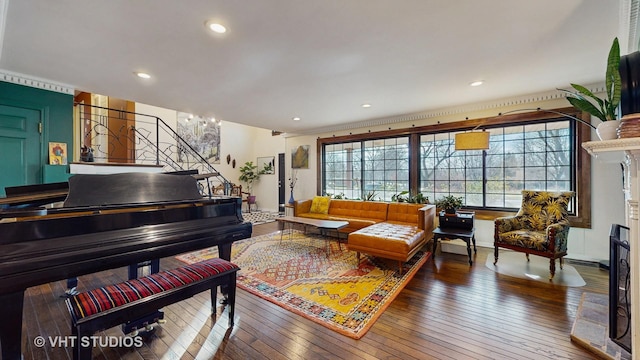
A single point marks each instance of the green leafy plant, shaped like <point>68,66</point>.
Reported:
<point>604,109</point>
<point>449,203</point>
<point>249,174</point>
<point>335,196</point>
<point>267,169</point>
<point>404,196</point>
<point>370,196</point>
<point>420,199</point>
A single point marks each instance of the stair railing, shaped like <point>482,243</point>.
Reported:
<point>128,137</point>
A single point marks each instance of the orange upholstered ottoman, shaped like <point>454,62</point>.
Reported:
<point>389,240</point>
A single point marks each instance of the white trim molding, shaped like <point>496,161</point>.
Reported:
<point>32,81</point>
<point>455,110</point>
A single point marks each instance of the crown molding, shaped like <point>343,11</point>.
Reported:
<point>32,81</point>
<point>454,110</point>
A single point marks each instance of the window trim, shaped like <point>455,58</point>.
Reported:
<point>581,219</point>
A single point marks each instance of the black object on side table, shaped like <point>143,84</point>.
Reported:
<point>458,226</point>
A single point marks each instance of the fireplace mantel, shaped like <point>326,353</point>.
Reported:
<point>627,152</point>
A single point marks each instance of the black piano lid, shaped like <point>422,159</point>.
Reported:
<point>130,188</point>
<point>116,201</point>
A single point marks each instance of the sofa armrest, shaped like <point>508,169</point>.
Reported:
<point>558,234</point>
<point>508,223</point>
<point>301,207</point>
<point>427,220</point>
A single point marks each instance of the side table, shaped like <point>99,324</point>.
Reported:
<point>452,233</point>
<point>458,226</point>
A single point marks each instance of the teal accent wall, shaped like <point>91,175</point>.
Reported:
<point>56,111</point>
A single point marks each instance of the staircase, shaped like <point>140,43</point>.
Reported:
<point>118,136</point>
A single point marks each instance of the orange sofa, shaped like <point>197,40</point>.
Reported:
<point>389,230</point>
<point>359,214</point>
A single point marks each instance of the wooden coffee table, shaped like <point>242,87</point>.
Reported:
<point>322,225</point>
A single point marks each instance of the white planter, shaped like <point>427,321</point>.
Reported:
<point>608,130</point>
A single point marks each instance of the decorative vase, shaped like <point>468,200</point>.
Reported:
<point>608,130</point>
<point>291,200</point>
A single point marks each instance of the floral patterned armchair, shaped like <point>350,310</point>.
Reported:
<point>541,227</point>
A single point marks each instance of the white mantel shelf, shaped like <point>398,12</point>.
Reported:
<point>627,152</point>
<point>594,147</point>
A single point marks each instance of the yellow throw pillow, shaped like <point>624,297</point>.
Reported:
<point>320,205</point>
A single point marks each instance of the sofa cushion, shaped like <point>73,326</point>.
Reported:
<point>403,212</point>
<point>358,209</point>
<point>393,239</point>
<point>354,222</point>
<point>320,205</point>
<point>528,239</point>
<point>311,215</point>
<point>540,209</point>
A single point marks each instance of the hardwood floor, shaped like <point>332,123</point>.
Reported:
<point>448,311</point>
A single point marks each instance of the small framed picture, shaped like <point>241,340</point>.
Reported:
<point>57,153</point>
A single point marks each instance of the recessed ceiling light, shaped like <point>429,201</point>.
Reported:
<point>366,105</point>
<point>143,75</point>
<point>216,27</point>
<point>476,83</point>
<point>296,119</point>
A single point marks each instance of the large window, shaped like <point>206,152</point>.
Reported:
<point>342,170</point>
<point>535,151</point>
<point>529,156</point>
<point>372,169</point>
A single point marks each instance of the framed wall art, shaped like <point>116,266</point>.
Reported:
<point>300,157</point>
<point>202,134</point>
<point>267,164</point>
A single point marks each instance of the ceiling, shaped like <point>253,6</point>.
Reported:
<point>317,60</point>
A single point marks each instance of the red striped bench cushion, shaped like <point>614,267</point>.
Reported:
<point>111,296</point>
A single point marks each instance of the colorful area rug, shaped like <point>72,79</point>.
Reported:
<point>318,278</point>
<point>260,217</point>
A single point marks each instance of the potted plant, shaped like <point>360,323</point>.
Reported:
<point>604,109</point>
<point>404,196</point>
<point>248,174</point>
<point>449,204</point>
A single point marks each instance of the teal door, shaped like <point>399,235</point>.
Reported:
<point>20,147</point>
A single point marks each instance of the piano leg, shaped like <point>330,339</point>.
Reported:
<point>11,325</point>
<point>224,252</point>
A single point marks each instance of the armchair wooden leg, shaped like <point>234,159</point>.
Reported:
<point>527,256</point>
<point>552,268</point>
<point>561,263</point>
<point>495,255</point>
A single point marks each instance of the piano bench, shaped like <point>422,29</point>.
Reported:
<point>113,305</point>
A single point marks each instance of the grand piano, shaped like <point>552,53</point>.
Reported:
<point>107,221</point>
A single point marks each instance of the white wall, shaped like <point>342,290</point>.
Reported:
<point>146,124</point>
<point>606,181</point>
<point>260,143</point>
<point>242,143</point>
